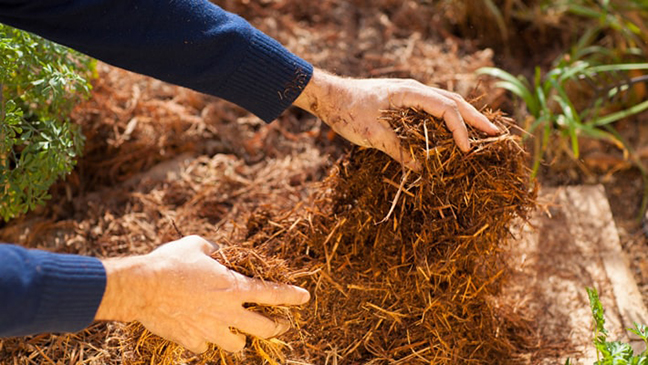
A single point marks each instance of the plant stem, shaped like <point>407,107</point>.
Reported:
<point>3,154</point>
<point>2,109</point>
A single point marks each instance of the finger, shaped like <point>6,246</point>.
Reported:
<point>229,341</point>
<point>402,156</point>
<point>186,337</point>
<point>471,115</point>
<point>407,160</point>
<point>199,243</point>
<point>259,325</point>
<point>441,107</point>
<point>275,294</point>
<point>194,345</point>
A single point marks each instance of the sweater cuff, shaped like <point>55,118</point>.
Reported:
<point>278,77</point>
<point>73,287</point>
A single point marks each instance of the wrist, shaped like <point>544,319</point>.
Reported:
<point>128,280</point>
<point>319,95</point>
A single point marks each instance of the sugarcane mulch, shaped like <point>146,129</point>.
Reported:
<point>403,267</point>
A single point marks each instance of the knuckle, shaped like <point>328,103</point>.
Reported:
<point>413,83</point>
<point>457,97</point>
<point>193,237</point>
<point>227,347</point>
<point>225,344</point>
<point>237,343</point>
<point>262,327</point>
<point>450,106</point>
<point>271,329</point>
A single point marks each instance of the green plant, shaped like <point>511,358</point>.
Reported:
<point>553,107</point>
<point>621,22</point>
<point>614,352</point>
<point>601,66</point>
<point>40,82</point>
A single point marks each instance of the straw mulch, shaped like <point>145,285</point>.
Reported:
<point>403,267</point>
<point>157,154</point>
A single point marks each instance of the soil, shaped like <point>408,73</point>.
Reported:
<point>157,155</point>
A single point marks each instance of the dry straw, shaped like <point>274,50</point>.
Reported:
<point>403,267</point>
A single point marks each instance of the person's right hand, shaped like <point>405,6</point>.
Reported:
<point>180,293</point>
<point>353,109</point>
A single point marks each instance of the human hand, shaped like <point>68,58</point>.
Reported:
<point>180,293</point>
<point>353,108</point>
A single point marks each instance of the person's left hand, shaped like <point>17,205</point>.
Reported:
<point>353,108</point>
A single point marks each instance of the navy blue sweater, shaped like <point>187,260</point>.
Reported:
<point>191,43</point>
<point>46,292</point>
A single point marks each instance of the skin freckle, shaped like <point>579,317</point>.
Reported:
<point>314,107</point>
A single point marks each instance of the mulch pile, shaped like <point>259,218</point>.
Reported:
<point>403,269</point>
<point>402,266</point>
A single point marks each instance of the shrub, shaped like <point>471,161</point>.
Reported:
<point>40,83</point>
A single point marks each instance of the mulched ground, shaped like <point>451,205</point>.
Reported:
<point>157,154</point>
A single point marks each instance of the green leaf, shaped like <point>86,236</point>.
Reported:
<point>518,86</point>
<point>618,352</point>
<point>619,67</point>
<point>597,310</point>
<point>640,330</point>
<point>610,118</point>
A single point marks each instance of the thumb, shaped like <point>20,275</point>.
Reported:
<point>390,144</point>
<point>195,345</point>
<point>405,158</point>
<point>199,243</point>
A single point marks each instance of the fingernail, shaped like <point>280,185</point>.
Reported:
<point>282,327</point>
<point>216,245</point>
<point>305,296</point>
<point>465,146</point>
<point>414,166</point>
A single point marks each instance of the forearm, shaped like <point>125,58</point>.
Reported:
<point>190,43</point>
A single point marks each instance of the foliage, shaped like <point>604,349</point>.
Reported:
<point>40,82</point>
<point>554,108</point>
<point>600,25</point>
<point>615,352</point>
<point>602,66</point>
<point>622,21</point>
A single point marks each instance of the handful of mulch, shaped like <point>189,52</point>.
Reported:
<point>143,347</point>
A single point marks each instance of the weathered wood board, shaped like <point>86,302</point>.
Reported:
<point>570,245</point>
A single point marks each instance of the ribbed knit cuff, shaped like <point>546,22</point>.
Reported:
<point>72,289</point>
<point>277,76</point>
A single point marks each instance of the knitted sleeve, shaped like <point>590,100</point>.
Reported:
<point>191,43</point>
<point>47,292</point>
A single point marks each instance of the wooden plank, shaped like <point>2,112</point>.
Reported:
<point>589,206</point>
<point>571,245</point>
